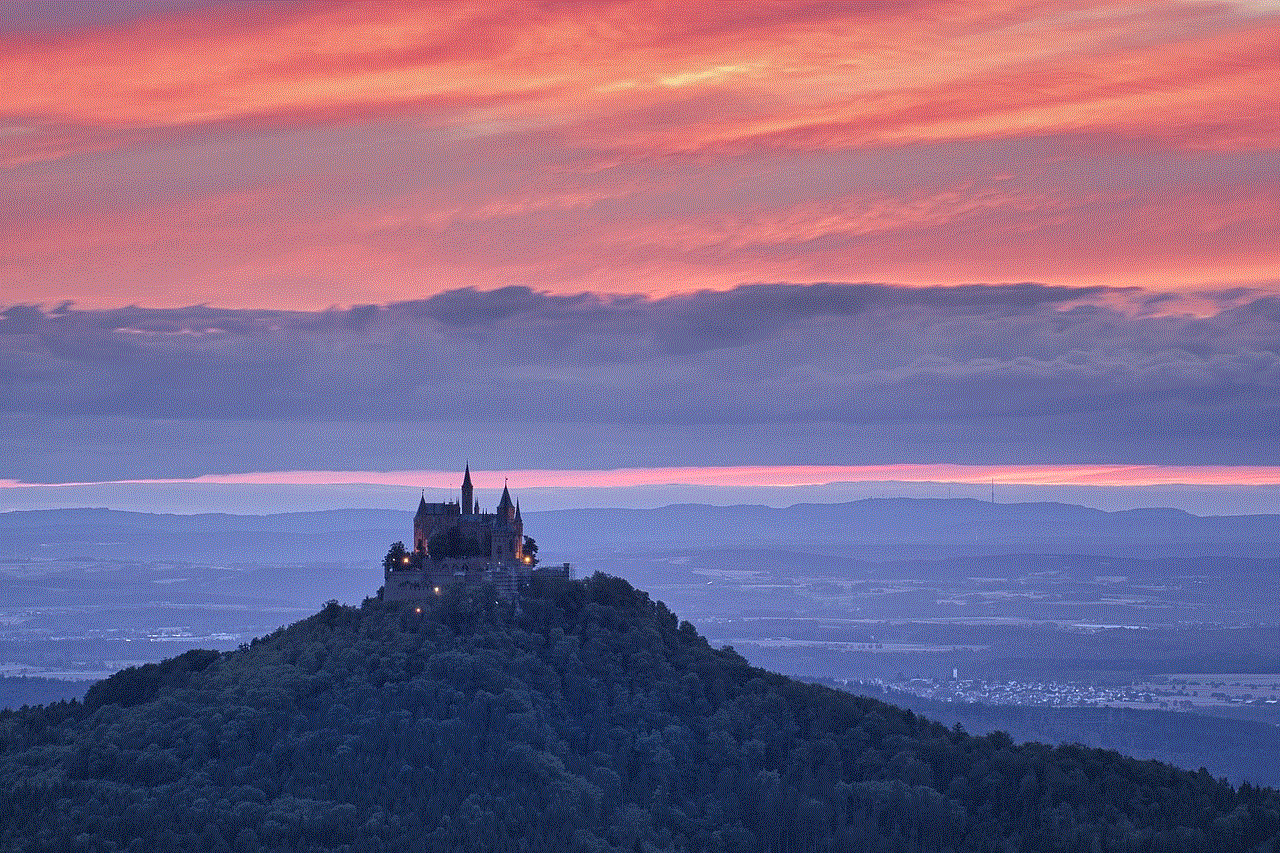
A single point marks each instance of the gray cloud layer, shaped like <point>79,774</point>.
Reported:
<point>772,373</point>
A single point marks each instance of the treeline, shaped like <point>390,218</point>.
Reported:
<point>19,690</point>
<point>583,717</point>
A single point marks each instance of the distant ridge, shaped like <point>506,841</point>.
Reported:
<point>877,528</point>
<point>341,535</point>
<point>873,528</point>
<point>314,521</point>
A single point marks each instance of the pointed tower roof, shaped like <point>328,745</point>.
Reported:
<point>422,503</point>
<point>518,518</point>
<point>505,502</point>
<point>466,477</point>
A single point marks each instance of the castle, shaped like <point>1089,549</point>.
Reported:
<point>454,542</point>
<point>454,529</point>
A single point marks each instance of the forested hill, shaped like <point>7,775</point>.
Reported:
<point>588,719</point>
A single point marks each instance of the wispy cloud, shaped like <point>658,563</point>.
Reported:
<point>800,75</point>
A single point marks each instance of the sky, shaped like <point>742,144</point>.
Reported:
<point>612,249</point>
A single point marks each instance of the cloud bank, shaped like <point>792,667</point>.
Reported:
<point>761,374</point>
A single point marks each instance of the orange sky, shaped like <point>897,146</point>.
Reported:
<point>306,155</point>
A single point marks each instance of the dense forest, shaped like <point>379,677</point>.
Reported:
<point>582,716</point>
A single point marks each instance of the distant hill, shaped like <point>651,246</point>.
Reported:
<point>926,528</point>
<point>875,529</point>
<point>329,536</point>
<point>588,719</point>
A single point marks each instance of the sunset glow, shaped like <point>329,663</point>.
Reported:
<point>324,154</point>
<point>751,476</point>
<point>618,244</point>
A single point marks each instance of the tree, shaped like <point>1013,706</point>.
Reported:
<point>531,550</point>
<point>397,558</point>
<point>454,543</point>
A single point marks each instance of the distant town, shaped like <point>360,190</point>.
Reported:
<point>1175,693</point>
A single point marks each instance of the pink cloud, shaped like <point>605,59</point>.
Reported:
<point>800,77</point>
<point>339,153</point>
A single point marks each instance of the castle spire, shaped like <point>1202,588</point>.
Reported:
<point>518,518</point>
<point>506,508</point>
<point>468,493</point>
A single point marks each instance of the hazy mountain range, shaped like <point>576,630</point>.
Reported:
<point>879,528</point>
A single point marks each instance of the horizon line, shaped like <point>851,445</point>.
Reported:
<point>735,476</point>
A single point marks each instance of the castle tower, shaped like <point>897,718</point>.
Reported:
<point>468,493</point>
<point>420,526</point>
<point>506,509</point>
<point>507,541</point>
<point>518,538</point>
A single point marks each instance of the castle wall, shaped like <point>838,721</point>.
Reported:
<point>436,577</point>
<point>425,584</point>
<point>432,518</point>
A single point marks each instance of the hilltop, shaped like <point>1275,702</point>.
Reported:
<point>586,718</point>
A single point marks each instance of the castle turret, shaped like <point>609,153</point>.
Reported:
<point>517,539</point>
<point>506,509</point>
